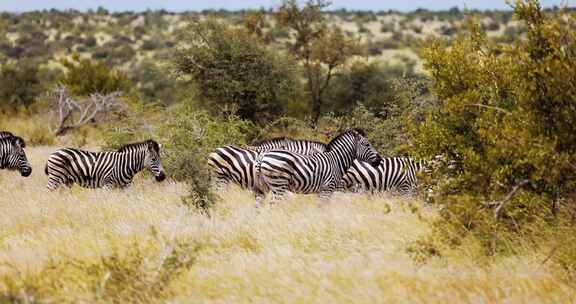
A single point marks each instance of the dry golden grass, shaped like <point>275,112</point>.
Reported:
<point>142,245</point>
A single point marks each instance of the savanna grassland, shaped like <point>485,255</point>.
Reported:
<point>143,245</point>
<point>486,100</point>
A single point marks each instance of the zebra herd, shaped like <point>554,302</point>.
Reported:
<point>276,166</point>
<point>283,165</point>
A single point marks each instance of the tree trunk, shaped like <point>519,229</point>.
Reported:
<point>316,110</point>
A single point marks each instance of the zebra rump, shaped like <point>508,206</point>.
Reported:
<point>234,164</point>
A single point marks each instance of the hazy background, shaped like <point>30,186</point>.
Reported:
<point>174,5</point>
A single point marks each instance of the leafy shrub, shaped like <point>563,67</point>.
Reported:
<point>368,84</point>
<point>505,127</point>
<point>128,275</point>
<point>232,67</point>
<point>190,136</point>
<point>20,84</point>
<point>84,77</point>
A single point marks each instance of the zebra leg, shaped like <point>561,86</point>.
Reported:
<point>54,183</point>
<point>220,183</point>
<point>259,197</point>
<point>278,195</point>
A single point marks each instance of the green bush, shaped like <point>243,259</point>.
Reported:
<point>84,77</point>
<point>190,135</point>
<point>505,127</point>
<point>368,84</point>
<point>230,66</point>
<point>20,84</point>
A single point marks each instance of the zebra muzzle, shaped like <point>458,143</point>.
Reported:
<point>160,177</point>
<point>26,171</point>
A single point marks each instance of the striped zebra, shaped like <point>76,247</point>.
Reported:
<point>4,134</point>
<point>103,169</point>
<point>234,164</point>
<point>394,174</point>
<point>283,171</point>
<point>12,155</point>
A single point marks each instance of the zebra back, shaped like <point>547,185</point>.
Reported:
<point>300,146</point>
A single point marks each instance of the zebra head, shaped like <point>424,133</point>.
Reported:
<point>152,160</point>
<point>14,157</point>
<point>364,150</point>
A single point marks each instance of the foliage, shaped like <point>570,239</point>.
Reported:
<point>368,84</point>
<point>191,135</point>
<point>231,67</point>
<point>21,84</point>
<point>84,77</point>
<point>320,49</point>
<point>505,127</point>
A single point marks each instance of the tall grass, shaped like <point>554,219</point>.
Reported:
<point>142,245</point>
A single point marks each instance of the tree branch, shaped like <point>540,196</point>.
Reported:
<point>499,205</point>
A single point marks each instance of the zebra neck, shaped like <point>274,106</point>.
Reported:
<point>342,156</point>
<point>132,161</point>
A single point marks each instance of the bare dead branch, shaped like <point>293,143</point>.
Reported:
<point>74,113</point>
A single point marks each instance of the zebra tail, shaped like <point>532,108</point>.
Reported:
<point>46,169</point>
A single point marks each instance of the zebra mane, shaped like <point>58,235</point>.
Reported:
<point>15,139</point>
<point>129,147</point>
<point>5,134</point>
<point>283,138</point>
<point>350,131</point>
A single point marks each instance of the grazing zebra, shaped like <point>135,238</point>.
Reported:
<point>283,171</point>
<point>4,134</point>
<point>103,169</point>
<point>233,164</point>
<point>12,156</point>
<point>394,174</point>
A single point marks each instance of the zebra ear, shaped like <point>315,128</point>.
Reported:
<point>153,145</point>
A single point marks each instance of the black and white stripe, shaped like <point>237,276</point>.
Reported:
<point>103,169</point>
<point>4,134</point>
<point>394,174</point>
<point>12,155</point>
<point>234,164</point>
<point>283,171</point>
<point>306,147</point>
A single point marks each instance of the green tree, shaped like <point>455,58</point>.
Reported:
<point>231,67</point>
<point>505,126</point>
<point>20,84</point>
<point>84,76</point>
<point>369,84</point>
<point>320,49</point>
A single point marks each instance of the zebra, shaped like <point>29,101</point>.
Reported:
<point>394,174</point>
<point>4,134</point>
<point>283,171</point>
<point>103,169</point>
<point>12,155</point>
<point>234,164</point>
